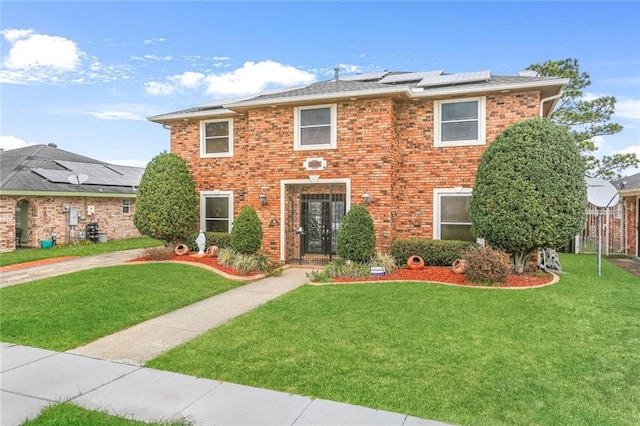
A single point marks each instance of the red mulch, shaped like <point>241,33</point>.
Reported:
<point>428,273</point>
<point>209,261</point>
<point>47,261</point>
<point>446,275</point>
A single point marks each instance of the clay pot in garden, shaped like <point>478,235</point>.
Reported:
<point>459,265</point>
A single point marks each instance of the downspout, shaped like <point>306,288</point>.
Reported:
<point>166,126</point>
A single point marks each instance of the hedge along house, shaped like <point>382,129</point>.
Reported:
<point>45,190</point>
<point>406,145</point>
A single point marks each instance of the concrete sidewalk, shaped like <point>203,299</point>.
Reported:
<point>32,379</point>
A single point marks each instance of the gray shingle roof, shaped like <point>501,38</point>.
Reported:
<point>398,82</point>
<point>45,168</point>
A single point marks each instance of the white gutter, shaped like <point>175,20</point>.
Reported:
<point>549,98</point>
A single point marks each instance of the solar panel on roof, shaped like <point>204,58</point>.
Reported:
<point>409,76</point>
<point>463,77</point>
<point>365,77</point>
<point>99,174</point>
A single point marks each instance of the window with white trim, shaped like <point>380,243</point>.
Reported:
<point>216,138</point>
<point>315,127</point>
<point>216,211</point>
<point>451,214</point>
<point>460,122</point>
<point>126,206</point>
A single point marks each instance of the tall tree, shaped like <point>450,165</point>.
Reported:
<point>167,204</point>
<point>529,191</point>
<point>587,118</point>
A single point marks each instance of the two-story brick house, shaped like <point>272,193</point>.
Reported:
<point>405,144</point>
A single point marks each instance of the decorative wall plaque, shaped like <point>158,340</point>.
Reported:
<point>315,164</point>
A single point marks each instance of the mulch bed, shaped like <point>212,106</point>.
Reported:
<point>446,275</point>
<point>428,273</point>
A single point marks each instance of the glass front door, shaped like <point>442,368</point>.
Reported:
<point>321,216</point>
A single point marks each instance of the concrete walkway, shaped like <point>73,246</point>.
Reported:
<point>147,340</point>
<point>107,374</point>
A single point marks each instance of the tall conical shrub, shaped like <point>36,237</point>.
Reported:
<point>356,237</point>
<point>246,234</point>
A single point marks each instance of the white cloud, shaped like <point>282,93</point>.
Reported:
<point>154,40</point>
<point>628,108</point>
<point>631,149</point>
<point>188,79</point>
<point>13,142</point>
<point>117,115</point>
<point>251,78</point>
<point>254,77</point>
<point>30,50</point>
<point>221,58</point>
<point>157,88</point>
<point>598,141</point>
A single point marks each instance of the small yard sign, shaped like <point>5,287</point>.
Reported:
<point>378,270</point>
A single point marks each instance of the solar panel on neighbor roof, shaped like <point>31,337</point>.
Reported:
<point>365,77</point>
<point>99,174</point>
<point>463,77</point>
<point>410,76</point>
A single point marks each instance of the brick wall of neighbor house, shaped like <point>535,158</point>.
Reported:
<point>631,225</point>
<point>46,215</point>
<point>384,147</point>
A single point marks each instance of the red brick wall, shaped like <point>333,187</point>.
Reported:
<point>631,214</point>
<point>385,147</point>
<point>45,215</point>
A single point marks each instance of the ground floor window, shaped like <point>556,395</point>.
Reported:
<point>216,211</point>
<point>126,206</point>
<point>451,214</point>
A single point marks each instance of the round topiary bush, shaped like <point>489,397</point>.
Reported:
<point>356,238</point>
<point>246,234</point>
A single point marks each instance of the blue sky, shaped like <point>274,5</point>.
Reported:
<point>85,75</point>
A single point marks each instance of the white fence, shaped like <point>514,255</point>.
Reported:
<point>612,231</point>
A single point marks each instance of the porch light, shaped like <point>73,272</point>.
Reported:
<point>366,198</point>
<point>264,199</point>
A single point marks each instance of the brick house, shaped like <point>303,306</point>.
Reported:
<point>630,201</point>
<point>37,197</point>
<point>406,144</point>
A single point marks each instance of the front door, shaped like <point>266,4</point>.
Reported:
<point>321,216</point>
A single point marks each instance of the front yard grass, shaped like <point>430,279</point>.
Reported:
<point>83,248</point>
<point>70,415</point>
<point>563,354</point>
<point>64,312</point>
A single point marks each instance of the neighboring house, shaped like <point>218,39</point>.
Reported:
<point>45,190</point>
<point>405,144</point>
<point>630,200</point>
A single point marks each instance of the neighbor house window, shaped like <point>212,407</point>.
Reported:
<point>216,211</point>
<point>216,138</point>
<point>451,214</point>
<point>126,206</point>
<point>315,127</point>
<point>459,122</point>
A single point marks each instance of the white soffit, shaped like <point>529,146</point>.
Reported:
<point>463,77</point>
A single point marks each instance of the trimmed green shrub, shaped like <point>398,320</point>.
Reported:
<point>246,234</point>
<point>484,264</point>
<point>433,252</point>
<point>341,268</point>
<point>530,190</point>
<point>356,239</point>
<point>220,239</point>
<point>167,203</point>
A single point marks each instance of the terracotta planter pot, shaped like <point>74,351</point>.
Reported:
<point>459,265</point>
<point>181,249</point>
<point>415,262</point>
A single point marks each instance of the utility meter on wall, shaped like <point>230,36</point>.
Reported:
<point>74,215</point>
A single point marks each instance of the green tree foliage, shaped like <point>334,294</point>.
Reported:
<point>246,234</point>
<point>166,205</point>
<point>356,238</point>
<point>587,118</point>
<point>530,190</point>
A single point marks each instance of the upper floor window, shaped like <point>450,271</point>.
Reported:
<point>126,206</point>
<point>459,122</point>
<point>315,127</point>
<point>216,138</point>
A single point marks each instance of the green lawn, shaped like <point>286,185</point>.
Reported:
<point>84,248</point>
<point>567,354</point>
<point>64,312</point>
<point>66,414</point>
